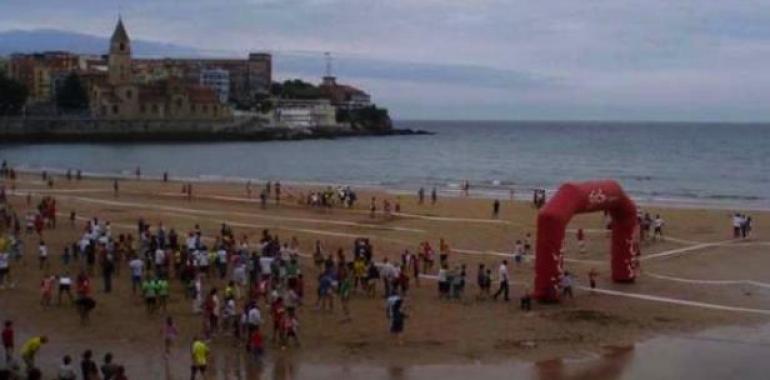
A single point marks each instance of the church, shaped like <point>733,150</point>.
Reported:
<point>120,96</point>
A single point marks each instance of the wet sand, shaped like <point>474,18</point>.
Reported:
<point>438,333</point>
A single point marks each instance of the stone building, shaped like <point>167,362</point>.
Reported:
<point>342,95</point>
<point>40,72</point>
<point>122,96</point>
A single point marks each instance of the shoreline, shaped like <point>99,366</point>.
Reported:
<point>448,190</point>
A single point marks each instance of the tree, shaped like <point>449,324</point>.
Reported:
<point>13,96</point>
<point>295,89</point>
<point>72,95</point>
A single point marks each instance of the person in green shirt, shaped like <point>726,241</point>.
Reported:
<point>346,286</point>
<point>150,292</point>
<point>161,286</point>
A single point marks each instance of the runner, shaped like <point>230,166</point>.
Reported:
<point>200,354</point>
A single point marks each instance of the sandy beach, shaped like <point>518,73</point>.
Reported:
<point>697,278</point>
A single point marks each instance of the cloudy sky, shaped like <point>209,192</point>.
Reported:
<point>478,59</point>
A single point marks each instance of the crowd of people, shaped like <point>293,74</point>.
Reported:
<point>246,292</point>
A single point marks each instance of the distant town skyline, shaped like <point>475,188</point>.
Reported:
<point>476,59</point>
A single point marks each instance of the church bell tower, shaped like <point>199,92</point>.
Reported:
<point>119,63</point>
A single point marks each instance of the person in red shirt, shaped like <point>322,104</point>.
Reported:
<point>256,345</point>
<point>8,337</point>
<point>83,285</point>
<point>278,312</point>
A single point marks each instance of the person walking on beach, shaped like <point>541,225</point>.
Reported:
<point>88,368</point>
<point>566,285</point>
<point>170,333</point>
<point>592,274</point>
<point>421,196</point>
<point>42,255</point>
<point>502,273</point>
<point>658,224</point>
<point>495,208</point>
<point>8,340</point>
<point>115,187</point>
<point>433,196</point>
<point>200,354</point>
<point>373,207</point>
<point>278,193</point>
<point>397,317</point>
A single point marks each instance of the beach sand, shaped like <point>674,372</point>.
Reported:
<point>437,332</point>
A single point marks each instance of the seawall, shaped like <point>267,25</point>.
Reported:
<point>63,129</point>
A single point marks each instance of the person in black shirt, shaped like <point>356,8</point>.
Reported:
<point>88,367</point>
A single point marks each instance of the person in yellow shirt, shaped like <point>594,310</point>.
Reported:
<point>30,349</point>
<point>200,354</point>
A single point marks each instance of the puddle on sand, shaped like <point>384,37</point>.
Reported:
<point>725,353</point>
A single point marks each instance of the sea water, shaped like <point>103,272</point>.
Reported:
<point>684,163</point>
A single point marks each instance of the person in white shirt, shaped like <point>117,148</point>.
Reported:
<point>737,223</point>
<point>502,273</point>
<point>65,287</point>
<point>42,255</point>
<point>253,318</point>
<point>4,268</point>
<point>137,268</point>
<point>265,263</point>
<point>658,224</point>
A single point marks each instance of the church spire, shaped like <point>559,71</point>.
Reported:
<point>120,35</point>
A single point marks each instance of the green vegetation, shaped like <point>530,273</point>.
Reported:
<point>295,89</point>
<point>72,96</point>
<point>366,118</point>
<point>13,95</point>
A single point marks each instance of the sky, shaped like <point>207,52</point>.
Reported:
<point>683,60</point>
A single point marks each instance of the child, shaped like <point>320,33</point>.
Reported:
<point>581,241</point>
<point>592,278</point>
<point>526,301</point>
<point>169,334</point>
<point>46,290</point>
<point>566,285</point>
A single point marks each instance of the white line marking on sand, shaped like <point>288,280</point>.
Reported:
<point>683,250</point>
<point>259,216</point>
<point>676,301</point>
<point>708,282</point>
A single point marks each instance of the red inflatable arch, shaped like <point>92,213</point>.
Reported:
<point>576,198</point>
